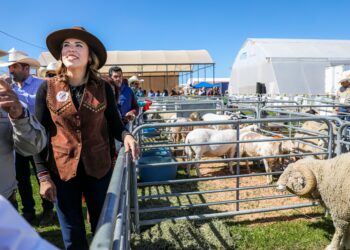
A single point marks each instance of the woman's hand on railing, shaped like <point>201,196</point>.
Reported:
<point>130,116</point>
<point>131,144</point>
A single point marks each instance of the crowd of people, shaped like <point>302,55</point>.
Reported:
<point>139,92</point>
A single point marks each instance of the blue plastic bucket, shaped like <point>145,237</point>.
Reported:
<point>150,132</point>
<point>161,173</point>
<point>165,152</point>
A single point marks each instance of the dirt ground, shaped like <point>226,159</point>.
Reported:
<point>221,169</point>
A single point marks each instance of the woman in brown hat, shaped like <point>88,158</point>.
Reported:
<point>78,110</point>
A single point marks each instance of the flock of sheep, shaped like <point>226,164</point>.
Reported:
<point>325,180</point>
<point>220,140</point>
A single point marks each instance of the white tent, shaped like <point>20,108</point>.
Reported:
<point>152,61</point>
<point>286,66</point>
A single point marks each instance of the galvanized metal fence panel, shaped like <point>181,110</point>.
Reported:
<point>113,231</point>
<point>139,213</point>
<point>122,212</point>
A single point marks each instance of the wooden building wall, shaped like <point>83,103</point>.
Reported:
<point>158,82</point>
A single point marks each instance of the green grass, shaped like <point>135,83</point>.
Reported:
<point>292,232</point>
<point>51,233</point>
<point>228,234</point>
<point>299,234</point>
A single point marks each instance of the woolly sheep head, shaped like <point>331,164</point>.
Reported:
<point>287,146</point>
<point>235,115</point>
<point>195,116</point>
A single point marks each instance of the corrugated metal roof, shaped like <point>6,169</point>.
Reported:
<point>302,48</point>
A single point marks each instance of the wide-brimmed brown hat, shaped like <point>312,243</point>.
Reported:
<point>55,39</point>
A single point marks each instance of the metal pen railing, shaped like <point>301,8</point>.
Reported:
<point>113,228</point>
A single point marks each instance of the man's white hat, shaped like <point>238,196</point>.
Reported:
<point>51,67</point>
<point>16,56</point>
<point>345,77</point>
<point>134,79</point>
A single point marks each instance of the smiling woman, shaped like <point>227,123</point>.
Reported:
<point>78,110</point>
<point>75,54</point>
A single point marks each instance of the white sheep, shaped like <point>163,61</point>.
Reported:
<point>179,133</point>
<point>205,135</point>
<point>155,107</point>
<point>261,149</point>
<point>319,128</point>
<point>214,117</point>
<point>328,182</point>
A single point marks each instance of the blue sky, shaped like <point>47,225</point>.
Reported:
<point>219,26</point>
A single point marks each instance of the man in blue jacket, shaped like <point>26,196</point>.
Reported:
<point>127,101</point>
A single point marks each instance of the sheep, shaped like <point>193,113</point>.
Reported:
<point>207,135</point>
<point>287,147</point>
<point>155,107</point>
<point>179,133</point>
<point>215,117</point>
<point>319,128</point>
<point>328,182</point>
<point>263,148</point>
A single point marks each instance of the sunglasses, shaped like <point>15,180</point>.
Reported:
<point>50,74</point>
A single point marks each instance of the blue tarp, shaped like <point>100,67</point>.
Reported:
<point>205,85</point>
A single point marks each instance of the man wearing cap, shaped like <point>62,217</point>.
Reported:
<point>343,96</point>
<point>127,101</point>
<point>18,130</point>
<point>26,86</point>
<point>134,83</point>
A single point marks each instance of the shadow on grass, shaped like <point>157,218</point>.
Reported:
<point>174,198</point>
<point>326,224</point>
<point>184,234</point>
<point>53,236</point>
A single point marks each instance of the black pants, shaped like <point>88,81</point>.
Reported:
<point>69,205</point>
<point>25,186</point>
